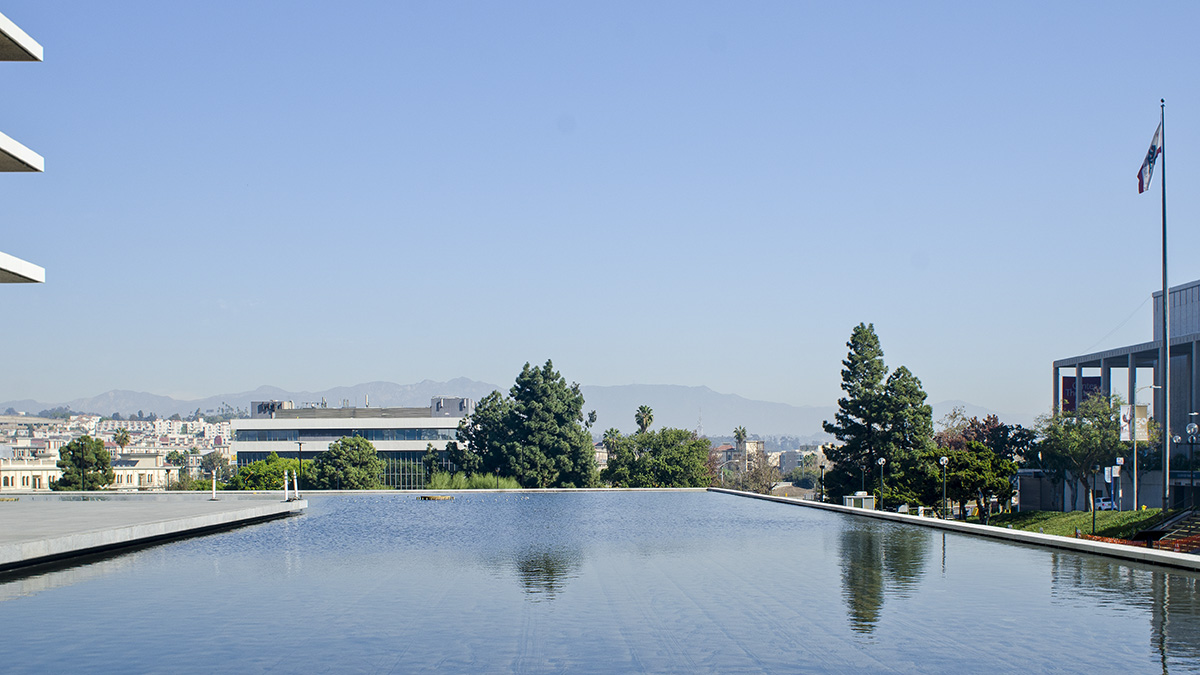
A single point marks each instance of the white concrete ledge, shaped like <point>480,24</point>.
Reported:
<point>13,270</point>
<point>15,157</point>
<point>15,44</point>
<point>54,531</point>
<point>1149,556</point>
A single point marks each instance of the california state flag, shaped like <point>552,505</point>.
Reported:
<point>1147,170</point>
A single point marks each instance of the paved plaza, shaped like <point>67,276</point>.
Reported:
<point>33,531</point>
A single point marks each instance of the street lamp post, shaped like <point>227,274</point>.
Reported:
<point>944,461</point>
<point>1192,430</point>
<point>822,483</point>
<point>1167,473</point>
<point>1095,470</point>
<point>881,461</point>
<point>299,465</point>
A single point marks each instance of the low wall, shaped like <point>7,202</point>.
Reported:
<point>1148,556</point>
<point>55,532</point>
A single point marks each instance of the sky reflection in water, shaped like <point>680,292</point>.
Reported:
<point>599,582</point>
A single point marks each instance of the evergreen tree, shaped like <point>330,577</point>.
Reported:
<point>859,421</point>
<point>908,433</point>
<point>84,462</point>
<point>881,417</point>
<point>535,435</point>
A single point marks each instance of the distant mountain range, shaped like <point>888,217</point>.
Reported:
<point>699,408</point>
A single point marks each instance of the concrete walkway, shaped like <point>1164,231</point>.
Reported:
<point>34,532</point>
<point>1148,556</point>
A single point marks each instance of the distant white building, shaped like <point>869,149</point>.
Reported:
<point>400,435</point>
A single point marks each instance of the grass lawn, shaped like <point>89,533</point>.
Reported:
<point>1119,524</point>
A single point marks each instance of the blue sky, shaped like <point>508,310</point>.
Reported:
<point>311,194</point>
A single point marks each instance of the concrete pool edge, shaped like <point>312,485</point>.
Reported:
<point>1148,556</point>
<point>18,556</point>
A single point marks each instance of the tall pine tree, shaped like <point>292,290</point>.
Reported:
<point>535,434</point>
<point>879,417</point>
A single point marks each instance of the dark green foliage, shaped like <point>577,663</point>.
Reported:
<point>664,458</point>
<point>350,463</point>
<point>535,435</point>
<point>84,461</point>
<point>884,417</point>
<point>267,474</point>
<point>430,460</point>
<point>177,458</point>
<point>977,473</point>
<point>59,413</point>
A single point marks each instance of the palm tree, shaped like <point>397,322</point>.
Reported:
<point>611,438</point>
<point>739,436</point>
<point>644,418</point>
<point>121,438</point>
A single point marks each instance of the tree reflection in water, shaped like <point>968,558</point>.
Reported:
<point>877,564</point>
<point>542,572</point>
<point>1173,600</point>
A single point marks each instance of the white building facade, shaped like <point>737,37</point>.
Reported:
<point>400,435</point>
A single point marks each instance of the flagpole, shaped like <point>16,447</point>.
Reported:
<point>1165,353</point>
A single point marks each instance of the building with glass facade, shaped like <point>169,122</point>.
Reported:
<point>400,435</point>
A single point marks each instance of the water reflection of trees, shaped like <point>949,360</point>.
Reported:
<point>543,572</point>
<point>876,564</point>
<point>1172,600</point>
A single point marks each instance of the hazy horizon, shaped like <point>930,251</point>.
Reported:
<point>702,195</point>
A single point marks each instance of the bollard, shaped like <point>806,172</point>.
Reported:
<point>285,485</point>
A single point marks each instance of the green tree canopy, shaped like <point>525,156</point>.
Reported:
<point>535,435</point>
<point>975,472</point>
<point>349,464</point>
<point>267,474</point>
<point>84,462</point>
<point>663,458</point>
<point>880,416</point>
<point>1079,441</point>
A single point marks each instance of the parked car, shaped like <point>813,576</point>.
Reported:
<point>1104,504</point>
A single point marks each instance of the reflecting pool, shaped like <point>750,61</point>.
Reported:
<point>597,582</point>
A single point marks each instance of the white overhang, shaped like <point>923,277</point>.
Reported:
<point>17,157</point>
<point>16,271</point>
<point>15,44</point>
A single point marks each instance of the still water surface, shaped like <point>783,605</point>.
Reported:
<point>597,582</point>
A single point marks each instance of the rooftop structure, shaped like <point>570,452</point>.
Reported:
<point>16,45</point>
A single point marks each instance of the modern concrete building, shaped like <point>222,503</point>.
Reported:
<point>1140,367</point>
<point>16,45</point>
<point>400,435</point>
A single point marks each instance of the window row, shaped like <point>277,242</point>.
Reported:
<point>254,435</point>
